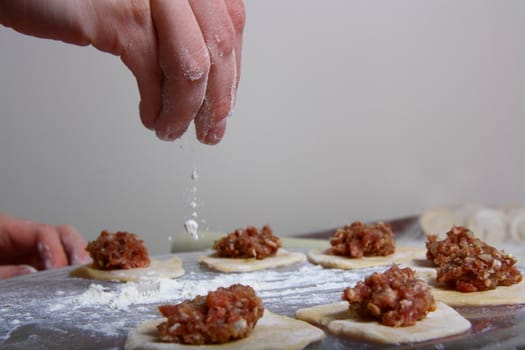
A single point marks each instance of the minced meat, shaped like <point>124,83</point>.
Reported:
<point>248,243</point>
<point>223,315</point>
<point>358,240</point>
<point>395,298</point>
<point>120,250</point>
<point>468,264</point>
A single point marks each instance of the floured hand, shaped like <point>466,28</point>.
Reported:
<point>27,246</point>
<point>185,54</point>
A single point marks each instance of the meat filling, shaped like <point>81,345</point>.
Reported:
<point>248,243</point>
<point>223,315</point>
<point>395,298</point>
<point>467,264</point>
<point>358,240</point>
<point>120,250</point>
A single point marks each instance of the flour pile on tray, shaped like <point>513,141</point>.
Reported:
<point>269,284</point>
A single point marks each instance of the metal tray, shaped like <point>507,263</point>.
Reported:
<point>50,310</point>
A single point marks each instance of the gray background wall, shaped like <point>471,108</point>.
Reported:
<point>347,110</point>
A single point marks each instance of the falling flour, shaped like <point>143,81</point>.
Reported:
<point>191,225</point>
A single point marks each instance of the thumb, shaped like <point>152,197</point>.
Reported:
<point>7,271</point>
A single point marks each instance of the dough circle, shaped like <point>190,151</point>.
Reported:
<point>442,322</point>
<point>402,254</point>
<point>502,295</point>
<point>170,268</point>
<point>282,258</point>
<point>272,331</point>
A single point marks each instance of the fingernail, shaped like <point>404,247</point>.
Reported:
<point>216,133</point>
<point>25,270</point>
<point>169,134</point>
<point>169,137</point>
<point>80,260</point>
<point>165,136</point>
<point>45,255</point>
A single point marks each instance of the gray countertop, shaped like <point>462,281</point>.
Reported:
<point>51,310</point>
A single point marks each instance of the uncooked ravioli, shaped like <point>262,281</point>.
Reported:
<point>517,225</point>
<point>439,219</point>
<point>170,268</point>
<point>272,331</point>
<point>489,224</point>
<point>321,257</point>
<point>338,319</point>
<point>501,295</point>
<point>282,258</point>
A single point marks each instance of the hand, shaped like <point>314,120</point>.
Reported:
<point>26,246</point>
<point>185,54</point>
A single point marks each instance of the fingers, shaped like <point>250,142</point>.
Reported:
<point>7,271</point>
<point>238,17</point>
<point>23,242</point>
<point>219,36</point>
<point>49,247</point>
<point>139,54</point>
<point>185,54</point>
<point>185,64</point>
<point>74,245</point>
<point>199,43</point>
<point>150,95</point>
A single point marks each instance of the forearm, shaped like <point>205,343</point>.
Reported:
<point>51,19</point>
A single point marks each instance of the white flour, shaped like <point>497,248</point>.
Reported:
<point>107,310</point>
<point>269,285</point>
<point>191,226</point>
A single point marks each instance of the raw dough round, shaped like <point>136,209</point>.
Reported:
<point>272,331</point>
<point>442,322</point>
<point>402,254</point>
<point>170,268</point>
<point>502,295</point>
<point>282,258</point>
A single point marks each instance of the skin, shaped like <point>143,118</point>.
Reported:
<point>26,246</point>
<point>184,54</point>
<point>186,58</point>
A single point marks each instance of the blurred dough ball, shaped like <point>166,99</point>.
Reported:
<point>489,224</point>
<point>517,224</point>
<point>438,220</point>
<point>465,211</point>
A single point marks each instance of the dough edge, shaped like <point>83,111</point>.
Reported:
<point>282,258</point>
<point>169,268</point>
<point>443,322</point>
<point>403,254</point>
<point>272,331</point>
<point>502,295</point>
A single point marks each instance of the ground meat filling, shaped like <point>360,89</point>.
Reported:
<point>467,264</point>
<point>248,243</point>
<point>395,298</point>
<point>358,240</point>
<point>223,315</point>
<point>120,250</point>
